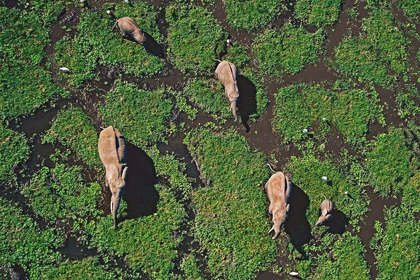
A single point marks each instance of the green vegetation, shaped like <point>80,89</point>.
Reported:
<point>147,243</point>
<point>318,13</point>
<point>140,115</point>
<point>14,149</point>
<point>87,268</point>
<point>396,245</point>
<point>190,268</point>
<point>194,37</point>
<point>301,106</point>
<point>74,130</point>
<point>377,53</point>
<point>59,194</point>
<point>21,240</point>
<point>390,168</point>
<point>237,54</point>
<point>336,258</point>
<point>96,43</point>
<point>231,222</point>
<point>307,172</point>
<point>410,8</point>
<point>250,15</point>
<point>406,101</point>
<point>286,50</point>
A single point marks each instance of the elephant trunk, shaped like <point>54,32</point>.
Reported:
<point>233,107</point>
<point>115,205</point>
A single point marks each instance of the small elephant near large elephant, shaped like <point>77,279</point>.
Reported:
<point>129,27</point>
<point>227,74</point>
<point>279,191</point>
<point>327,206</point>
<point>113,153</point>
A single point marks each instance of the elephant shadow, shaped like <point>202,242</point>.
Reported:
<point>140,193</point>
<point>297,226</point>
<point>150,45</point>
<point>338,223</point>
<point>247,102</point>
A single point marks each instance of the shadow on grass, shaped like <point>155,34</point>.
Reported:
<point>140,193</point>
<point>150,45</point>
<point>247,102</point>
<point>338,223</point>
<point>297,226</point>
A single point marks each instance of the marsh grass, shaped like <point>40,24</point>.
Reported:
<point>396,244</point>
<point>286,50</point>
<point>14,149</point>
<point>319,13</point>
<point>195,38</point>
<point>141,116</point>
<point>250,15</point>
<point>377,54</point>
<point>336,257</point>
<point>74,130</point>
<point>406,101</point>
<point>307,173</point>
<point>231,223</point>
<point>302,106</point>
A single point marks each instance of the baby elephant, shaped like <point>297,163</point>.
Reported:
<point>129,27</point>
<point>326,208</point>
<point>279,190</point>
<point>113,154</point>
<point>227,74</point>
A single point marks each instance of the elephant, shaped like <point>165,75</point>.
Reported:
<point>326,209</point>
<point>227,74</point>
<point>129,27</point>
<point>113,153</point>
<point>279,191</point>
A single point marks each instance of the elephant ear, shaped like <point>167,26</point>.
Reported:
<point>324,212</point>
<point>111,172</point>
<point>287,208</point>
<point>328,217</point>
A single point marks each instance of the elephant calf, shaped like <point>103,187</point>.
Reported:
<point>279,190</point>
<point>227,74</point>
<point>129,27</point>
<point>326,208</point>
<point>113,154</point>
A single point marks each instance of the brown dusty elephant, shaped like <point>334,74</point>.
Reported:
<point>326,209</point>
<point>129,27</point>
<point>113,154</point>
<point>227,74</point>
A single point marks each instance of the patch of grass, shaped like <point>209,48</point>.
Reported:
<point>307,174</point>
<point>74,130</point>
<point>411,193</point>
<point>195,38</point>
<point>378,54</point>
<point>301,106</point>
<point>261,92</point>
<point>230,222</point>
<point>410,8</point>
<point>190,267</point>
<point>286,50</point>
<point>14,149</point>
<point>140,115</point>
<point>87,268</point>
<point>59,194</point>
<point>250,15</point>
<point>336,258</point>
<point>47,10</point>
<point>406,101</point>
<point>318,13</point>
<point>237,54</point>
<point>389,168</point>
<point>22,242</point>
<point>396,244</point>
<point>147,243</point>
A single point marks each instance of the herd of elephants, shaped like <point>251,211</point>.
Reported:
<point>113,152</point>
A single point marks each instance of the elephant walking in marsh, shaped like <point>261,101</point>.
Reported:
<point>227,74</point>
<point>113,153</point>
<point>129,27</point>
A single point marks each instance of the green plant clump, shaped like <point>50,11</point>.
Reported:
<point>396,244</point>
<point>14,149</point>
<point>230,221</point>
<point>286,50</point>
<point>299,106</point>
<point>410,8</point>
<point>336,259</point>
<point>22,242</point>
<point>389,168</point>
<point>378,52</point>
<point>250,15</point>
<point>140,115</point>
<point>307,174</point>
<point>406,102</point>
<point>318,12</point>
<point>74,130</point>
<point>60,194</point>
<point>195,38</point>
<point>147,243</point>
